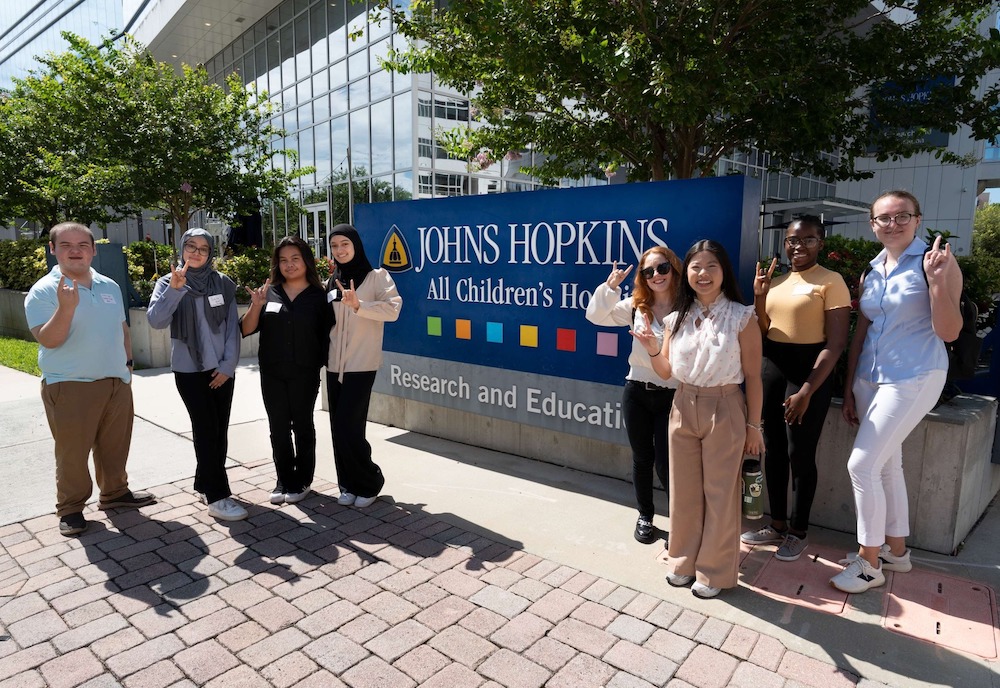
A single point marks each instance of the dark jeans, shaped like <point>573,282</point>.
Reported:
<point>646,412</point>
<point>289,399</point>
<point>209,411</point>
<point>791,447</point>
<point>356,472</point>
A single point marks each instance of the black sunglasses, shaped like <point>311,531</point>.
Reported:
<point>662,268</point>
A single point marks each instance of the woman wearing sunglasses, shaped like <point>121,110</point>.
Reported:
<point>803,317</point>
<point>647,397</point>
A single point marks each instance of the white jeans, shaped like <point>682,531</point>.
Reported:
<point>888,412</point>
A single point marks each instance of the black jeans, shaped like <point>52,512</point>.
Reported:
<point>209,411</point>
<point>289,398</point>
<point>785,369</point>
<point>646,412</point>
<point>356,472</point>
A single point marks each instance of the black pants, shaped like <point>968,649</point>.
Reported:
<point>785,369</point>
<point>289,398</point>
<point>209,411</point>
<point>356,472</point>
<point>646,412</point>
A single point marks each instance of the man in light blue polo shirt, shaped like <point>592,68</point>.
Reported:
<point>78,317</point>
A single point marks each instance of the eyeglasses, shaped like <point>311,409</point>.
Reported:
<point>200,250</point>
<point>808,242</point>
<point>662,268</point>
<point>901,219</point>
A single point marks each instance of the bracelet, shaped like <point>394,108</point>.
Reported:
<point>759,427</point>
<point>654,355</point>
<point>129,363</point>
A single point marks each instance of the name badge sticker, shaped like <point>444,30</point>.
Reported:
<point>108,298</point>
<point>273,307</point>
<point>216,300</point>
<point>804,289</point>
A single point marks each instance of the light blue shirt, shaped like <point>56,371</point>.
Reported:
<point>95,346</point>
<point>901,343</point>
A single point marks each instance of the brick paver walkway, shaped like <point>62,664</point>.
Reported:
<point>317,594</point>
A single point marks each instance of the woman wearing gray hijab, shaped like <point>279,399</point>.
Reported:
<point>198,304</point>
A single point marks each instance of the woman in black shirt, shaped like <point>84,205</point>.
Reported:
<point>294,319</point>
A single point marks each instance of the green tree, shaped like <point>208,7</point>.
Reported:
<point>986,231</point>
<point>667,88</point>
<point>101,131</point>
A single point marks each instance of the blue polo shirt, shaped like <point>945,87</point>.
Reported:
<point>901,343</point>
<point>95,347</point>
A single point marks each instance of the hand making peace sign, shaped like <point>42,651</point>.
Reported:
<point>350,296</point>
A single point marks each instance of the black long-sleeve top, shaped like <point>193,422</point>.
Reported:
<point>294,335</point>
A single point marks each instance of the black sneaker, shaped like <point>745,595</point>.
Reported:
<point>72,524</point>
<point>644,531</point>
<point>128,500</point>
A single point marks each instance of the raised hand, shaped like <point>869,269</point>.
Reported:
<point>350,298</point>
<point>258,297</point>
<point>939,262</point>
<point>646,337</point>
<point>617,276</point>
<point>762,282</point>
<point>178,277</point>
<point>67,293</point>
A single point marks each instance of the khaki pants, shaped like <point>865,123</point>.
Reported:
<point>706,436</point>
<point>83,416</point>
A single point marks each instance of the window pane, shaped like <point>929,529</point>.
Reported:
<point>403,128</point>
<point>335,29</point>
<point>361,140</point>
<point>381,123</point>
<point>303,61</point>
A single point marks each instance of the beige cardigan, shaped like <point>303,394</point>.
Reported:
<point>356,338</point>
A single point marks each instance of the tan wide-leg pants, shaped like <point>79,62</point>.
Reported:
<point>707,432</point>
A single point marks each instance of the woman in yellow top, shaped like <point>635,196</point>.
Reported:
<point>803,316</point>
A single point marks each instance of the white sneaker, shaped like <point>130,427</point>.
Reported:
<point>227,509</point>
<point>346,499</point>
<point>679,580</point>
<point>858,576</point>
<point>705,592</point>
<point>362,502</point>
<point>296,497</point>
<point>277,495</point>
<point>889,561</point>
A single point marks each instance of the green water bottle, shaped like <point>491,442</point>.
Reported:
<point>753,486</point>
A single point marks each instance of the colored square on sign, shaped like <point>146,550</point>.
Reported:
<point>433,326</point>
<point>565,339</point>
<point>494,332</point>
<point>463,329</point>
<point>607,344</point>
<point>529,335</point>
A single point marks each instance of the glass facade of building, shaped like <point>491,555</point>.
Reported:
<point>27,32</point>
<point>370,133</point>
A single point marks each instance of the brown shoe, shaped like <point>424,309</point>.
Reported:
<point>129,500</point>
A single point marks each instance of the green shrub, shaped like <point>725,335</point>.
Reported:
<point>147,260</point>
<point>849,257</point>
<point>250,268</point>
<point>22,263</point>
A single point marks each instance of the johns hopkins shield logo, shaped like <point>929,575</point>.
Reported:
<point>395,256</point>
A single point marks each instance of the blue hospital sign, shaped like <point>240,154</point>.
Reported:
<point>495,290</point>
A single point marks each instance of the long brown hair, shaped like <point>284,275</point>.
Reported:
<point>642,295</point>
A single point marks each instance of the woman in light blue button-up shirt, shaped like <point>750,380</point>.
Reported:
<point>896,370</point>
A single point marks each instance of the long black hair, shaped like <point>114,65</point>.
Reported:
<point>686,296</point>
<point>307,258</point>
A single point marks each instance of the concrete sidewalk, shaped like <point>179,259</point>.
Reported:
<point>474,568</point>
